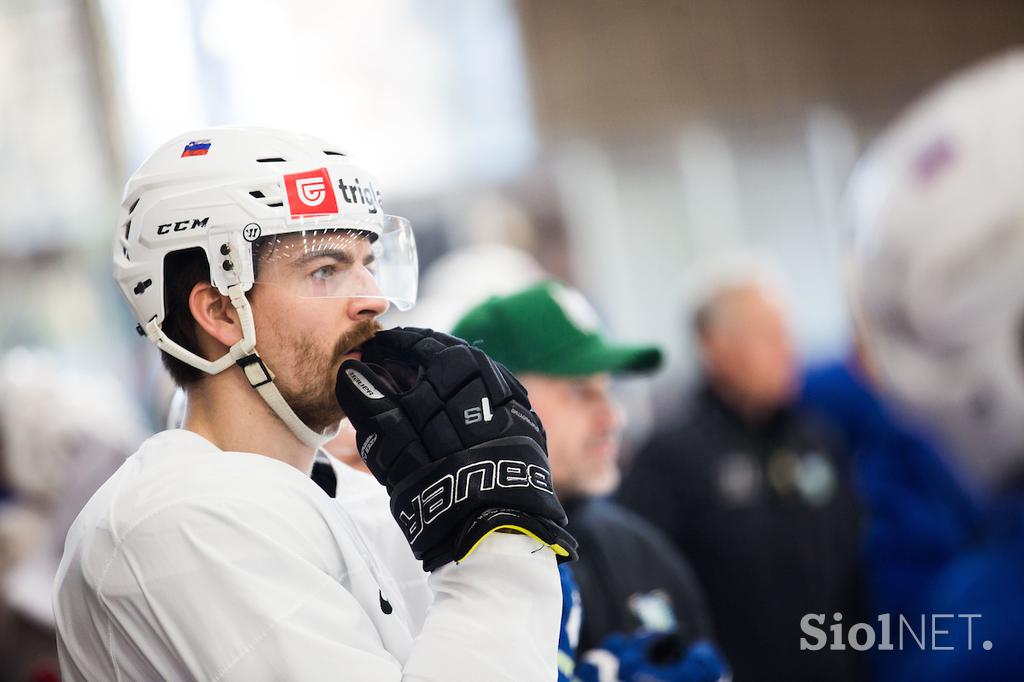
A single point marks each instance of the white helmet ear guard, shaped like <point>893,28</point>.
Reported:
<point>936,209</point>
<point>225,189</point>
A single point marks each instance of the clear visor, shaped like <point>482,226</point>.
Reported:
<point>342,260</point>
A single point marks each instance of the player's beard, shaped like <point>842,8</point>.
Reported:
<point>316,373</point>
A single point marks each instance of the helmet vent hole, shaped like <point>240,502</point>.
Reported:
<point>269,195</point>
<point>330,153</point>
<point>134,204</point>
<point>271,159</point>
<point>127,228</point>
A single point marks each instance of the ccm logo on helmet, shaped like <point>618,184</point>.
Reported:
<point>310,193</point>
<point>450,490</point>
<point>182,225</point>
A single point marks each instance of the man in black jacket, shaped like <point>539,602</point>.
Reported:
<point>630,576</point>
<point>756,495</point>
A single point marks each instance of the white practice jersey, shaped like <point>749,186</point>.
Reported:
<point>192,563</point>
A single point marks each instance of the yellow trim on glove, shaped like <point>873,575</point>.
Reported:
<point>555,547</point>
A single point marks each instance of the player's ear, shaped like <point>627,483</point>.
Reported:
<point>215,317</point>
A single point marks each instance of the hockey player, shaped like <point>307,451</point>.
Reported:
<point>937,276</point>
<point>258,262</point>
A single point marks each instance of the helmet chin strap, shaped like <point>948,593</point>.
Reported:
<point>244,354</point>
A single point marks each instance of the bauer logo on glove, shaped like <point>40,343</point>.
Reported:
<point>467,484</point>
<point>451,435</point>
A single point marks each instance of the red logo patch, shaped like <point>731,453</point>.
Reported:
<point>310,193</point>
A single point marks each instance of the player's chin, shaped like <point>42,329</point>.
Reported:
<point>324,417</point>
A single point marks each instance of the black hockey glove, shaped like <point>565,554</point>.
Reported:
<point>451,435</point>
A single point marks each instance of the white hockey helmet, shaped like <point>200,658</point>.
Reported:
<point>225,189</point>
<point>936,209</point>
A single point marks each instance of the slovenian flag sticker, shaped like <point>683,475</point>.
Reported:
<point>196,148</point>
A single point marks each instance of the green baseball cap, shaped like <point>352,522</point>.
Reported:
<point>549,329</point>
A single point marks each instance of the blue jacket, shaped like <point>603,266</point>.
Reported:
<point>924,540</point>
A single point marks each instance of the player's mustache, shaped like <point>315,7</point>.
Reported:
<point>357,336</point>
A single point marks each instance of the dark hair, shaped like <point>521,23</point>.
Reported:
<point>182,271</point>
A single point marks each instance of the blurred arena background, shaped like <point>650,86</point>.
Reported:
<point>621,144</point>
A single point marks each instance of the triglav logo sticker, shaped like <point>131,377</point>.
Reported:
<point>309,193</point>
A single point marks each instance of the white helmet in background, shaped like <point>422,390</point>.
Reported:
<point>294,196</point>
<point>464,277</point>
<point>937,272</point>
<point>63,431</point>
<point>50,414</point>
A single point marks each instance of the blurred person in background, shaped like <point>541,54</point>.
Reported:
<point>936,211</point>
<point>920,514</point>
<point>62,433</point>
<point>631,579</point>
<point>752,490</point>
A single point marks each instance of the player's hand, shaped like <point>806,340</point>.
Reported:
<point>451,435</point>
